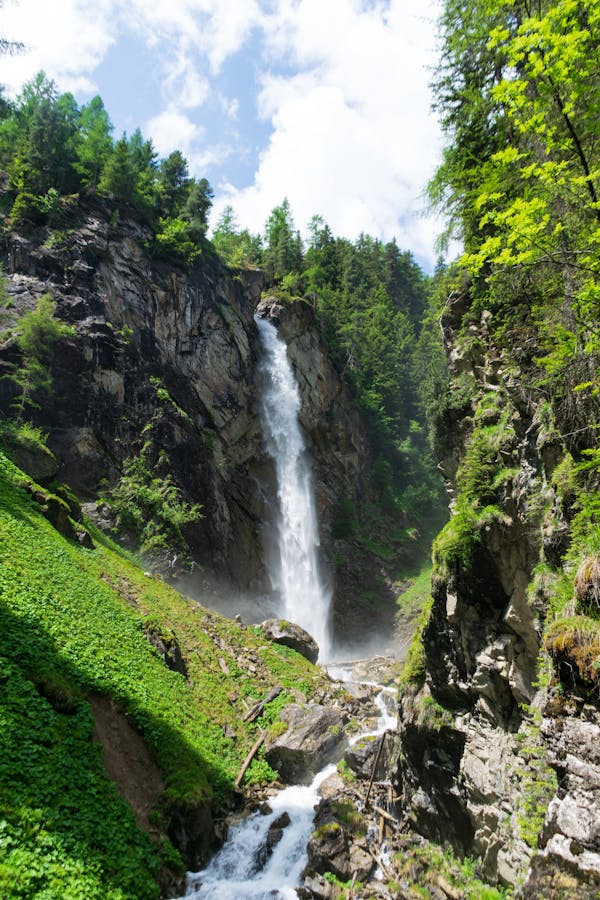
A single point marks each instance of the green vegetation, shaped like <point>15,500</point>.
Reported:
<point>422,865</point>
<point>480,480</point>
<point>37,332</point>
<point>432,715</point>
<point>348,816</point>
<point>538,781</point>
<point>51,149</point>
<point>413,671</point>
<point>574,645</point>
<point>148,504</point>
<point>74,625</point>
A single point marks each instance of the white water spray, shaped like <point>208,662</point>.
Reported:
<point>236,874</point>
<point>294,570</point>
<point>240,871</point>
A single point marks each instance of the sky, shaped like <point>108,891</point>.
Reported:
<point>325,102</point>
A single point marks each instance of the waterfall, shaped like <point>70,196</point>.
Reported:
<point>294,567</point>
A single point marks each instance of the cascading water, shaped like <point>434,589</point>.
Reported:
<point>294,568</point>
<point>250,866</point>
<point>240,871</point>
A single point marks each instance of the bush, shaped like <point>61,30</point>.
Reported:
<point>173,239</point>
<point>149,505</point>
<point>587,585</point>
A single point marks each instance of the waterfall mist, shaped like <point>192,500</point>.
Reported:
<point>294,566</point>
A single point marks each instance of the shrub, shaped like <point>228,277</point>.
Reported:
<point>413,671</point>
<point>149,506</point>
<point>587,585</point>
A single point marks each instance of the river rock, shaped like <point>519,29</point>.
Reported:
<point>337,844</point>
<point>274,835</point>
<point>332,786</point>
<point>314,737</point>
<point>290,635</point>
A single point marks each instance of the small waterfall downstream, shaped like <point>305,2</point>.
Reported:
<point>239,871</point>
<point>294,567</point>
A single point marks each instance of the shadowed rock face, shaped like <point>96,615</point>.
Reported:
<point>166,355</point>
<point>156,348</point>
<point>482,775</point>
<point>314,737</point>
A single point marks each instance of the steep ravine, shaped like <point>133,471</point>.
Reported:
<point>500,750</point>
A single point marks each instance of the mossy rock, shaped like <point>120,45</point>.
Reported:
<point>587,585</point>
<point>30,455</point>
<point>574,645</point>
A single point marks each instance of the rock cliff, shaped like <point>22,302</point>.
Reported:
<point>166,357</point>
<point>158,354</point>
<point>499,748</point>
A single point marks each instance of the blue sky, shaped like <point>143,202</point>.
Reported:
<point>323,101</point>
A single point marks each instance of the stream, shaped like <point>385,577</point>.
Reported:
<point>240,871</point>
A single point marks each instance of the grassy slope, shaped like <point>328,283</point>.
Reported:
<point>71,624</point>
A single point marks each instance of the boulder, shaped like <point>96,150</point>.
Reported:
<point>315,736</point>
<point>360,757</point>
<point>290,635</point>
<point>274,835</point>
<point>167,646</point>
<point>33,457</point>
<point>338,843</point>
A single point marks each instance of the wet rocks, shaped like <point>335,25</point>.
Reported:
<point>274,835</point>
<point>314,737</point>
<point>338,845</point>
<point>290,635</point>
<point>361,756</point>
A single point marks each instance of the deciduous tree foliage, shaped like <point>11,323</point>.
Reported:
<point>519,95</point>
<point>518,91</point>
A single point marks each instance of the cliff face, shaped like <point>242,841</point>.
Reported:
<point>499,758</point>
<point>155,349</point>
<point>169,357</point>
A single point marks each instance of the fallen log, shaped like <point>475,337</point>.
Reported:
<point>257,710</point>
<point>376,764</point>
<point>378,861</point>
<point>249,758</point>
<point>386,815</point>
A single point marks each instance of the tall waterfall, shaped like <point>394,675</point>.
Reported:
<point>294,568</point>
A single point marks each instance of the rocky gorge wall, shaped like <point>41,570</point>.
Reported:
<point>500,750</point>
<point>168,357</point>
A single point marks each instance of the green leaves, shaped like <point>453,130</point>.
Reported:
<point>37,333</point>
<point>149,505</point>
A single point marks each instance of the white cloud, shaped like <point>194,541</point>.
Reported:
<point>67,39</point>
<point>183,84</point>
<point>173,130</point>
<point>230,106</point>
<point>352,138</point>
